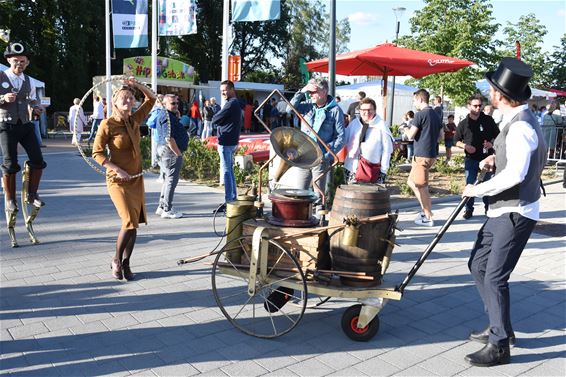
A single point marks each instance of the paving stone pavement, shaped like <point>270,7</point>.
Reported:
<point>63,315</point>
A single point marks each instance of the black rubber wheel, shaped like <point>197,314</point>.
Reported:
<point>350,325</point>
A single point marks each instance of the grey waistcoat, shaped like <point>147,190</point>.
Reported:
<point>528,191</point>
<point>17,110</point>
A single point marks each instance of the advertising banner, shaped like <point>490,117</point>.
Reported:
<point>255,10</point>
<point>168,69</point>
<point>177,17</point>
<point>129,23</point>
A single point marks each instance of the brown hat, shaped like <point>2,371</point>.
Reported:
<point>15,49</point>
<point>512,78</point>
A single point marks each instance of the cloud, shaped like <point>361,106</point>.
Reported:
<point>561,13</point>
<point>362,18</point>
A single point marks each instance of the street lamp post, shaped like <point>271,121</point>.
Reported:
<point>398,11</point>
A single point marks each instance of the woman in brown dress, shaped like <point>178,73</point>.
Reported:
<point>120,133</point>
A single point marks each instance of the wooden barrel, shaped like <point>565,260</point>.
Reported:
<point>362,201</point>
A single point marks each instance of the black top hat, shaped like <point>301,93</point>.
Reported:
<point>15,49</point>
<point>512,78</point>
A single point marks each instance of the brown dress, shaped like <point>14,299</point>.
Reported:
<point>123,141</point>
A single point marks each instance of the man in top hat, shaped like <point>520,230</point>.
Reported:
<point>17,95</point>
<point>514,193</point>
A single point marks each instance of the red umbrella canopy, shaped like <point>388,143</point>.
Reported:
<point>389,60</point>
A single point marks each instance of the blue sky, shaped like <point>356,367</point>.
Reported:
<point>373,21</point>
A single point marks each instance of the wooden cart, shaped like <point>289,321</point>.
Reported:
<point>265,280</point>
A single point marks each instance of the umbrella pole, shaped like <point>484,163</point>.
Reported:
<point>384,115</point>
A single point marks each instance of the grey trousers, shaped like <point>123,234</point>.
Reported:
<point>497,250</point>
<point>171,166</point>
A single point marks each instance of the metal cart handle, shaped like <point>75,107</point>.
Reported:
<point>437,238</point>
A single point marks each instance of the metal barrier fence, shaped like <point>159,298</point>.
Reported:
<point>556,140</point>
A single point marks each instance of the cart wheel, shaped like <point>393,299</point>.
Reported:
<point>350,325</point>
<point>264,313</point>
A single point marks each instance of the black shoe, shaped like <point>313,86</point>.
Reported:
<point>489,356</point>
<point>34,200</point>
<point>467,214</point>
<point>483,337</point>
<point>126,271</point>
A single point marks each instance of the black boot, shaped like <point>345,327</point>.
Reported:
<point>483,336</point>
<point>489,356</point>
<point>34,178</point>
<point>9,184</point>
<point>127,272</point>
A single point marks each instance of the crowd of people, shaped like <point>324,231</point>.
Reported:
<point>512,147</point>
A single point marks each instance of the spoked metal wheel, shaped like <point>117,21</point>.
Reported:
<point>263,313</point>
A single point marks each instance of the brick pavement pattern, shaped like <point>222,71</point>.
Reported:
<point>63,315</point>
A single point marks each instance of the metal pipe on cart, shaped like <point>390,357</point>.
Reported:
<point>437,238</point>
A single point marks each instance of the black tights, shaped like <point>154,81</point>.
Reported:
<point>125,243</point>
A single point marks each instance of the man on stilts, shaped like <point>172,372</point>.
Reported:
<point>17,96</point>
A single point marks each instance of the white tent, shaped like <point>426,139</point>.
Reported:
<point>483,87</point>
<point>538,97</point>
<point>403,97</point>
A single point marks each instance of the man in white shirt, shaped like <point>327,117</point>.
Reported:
<point>514,192</point>
<point>17,95</point>
<point>97,116</point>
<point>77,121</point>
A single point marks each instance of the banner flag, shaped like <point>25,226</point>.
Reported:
<point>255,10</point>
<point>177,17</point>
<point>129,23</point>
<point>167,68</point>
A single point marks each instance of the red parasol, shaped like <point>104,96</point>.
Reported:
<point>389,60</point>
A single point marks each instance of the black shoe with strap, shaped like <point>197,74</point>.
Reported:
<point>467,214</point>
<point>483,336</point>
<point>35,200</point>
<point>489,356</point>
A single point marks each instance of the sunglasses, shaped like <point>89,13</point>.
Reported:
<point>174,103</point>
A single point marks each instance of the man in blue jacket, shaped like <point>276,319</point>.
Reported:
<point>229,122</point>
<point>327,120</point>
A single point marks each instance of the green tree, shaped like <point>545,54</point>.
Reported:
<point>259,43</point>
<point>67,50</point>
<point>529,32</point>
<point>308,37</point>
<point>556,67</point>
<point>462,29</point>
<point>343,31</point>
<point>204,49</point>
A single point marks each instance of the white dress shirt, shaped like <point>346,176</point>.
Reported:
<point>521,143</point>
<point>18,80</point>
